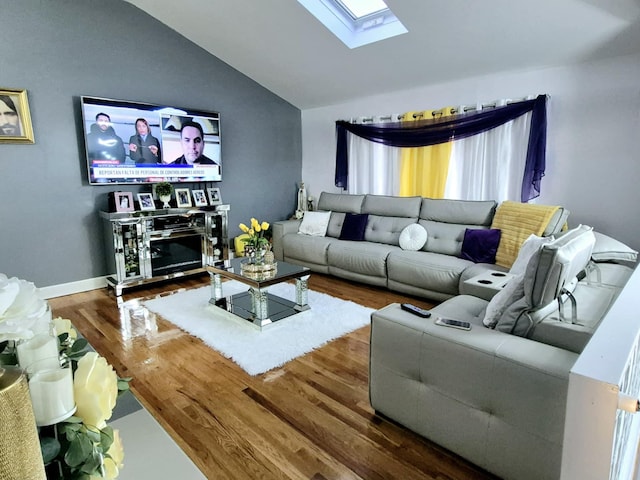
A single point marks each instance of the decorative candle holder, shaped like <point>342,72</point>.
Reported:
<point>51,390</point>
<point>42,346</point>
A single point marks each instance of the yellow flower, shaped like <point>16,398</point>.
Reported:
<point>95,387</point>
<point>251,232</point>
<point>265,226</point>
<point>254,223</point>
<point>113,465</point>
<point>257,227</point>
<point>244,228</point>
<point>63,325</point>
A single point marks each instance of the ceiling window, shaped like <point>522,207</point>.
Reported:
<point>356,22</point>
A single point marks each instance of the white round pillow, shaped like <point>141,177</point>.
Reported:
<point>413,237</point>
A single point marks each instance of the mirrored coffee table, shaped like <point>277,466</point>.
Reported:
<point>257,305</point>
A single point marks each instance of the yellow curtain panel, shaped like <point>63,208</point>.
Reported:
<point>424,170</point>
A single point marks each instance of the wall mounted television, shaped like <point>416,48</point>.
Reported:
<point>129,142</point>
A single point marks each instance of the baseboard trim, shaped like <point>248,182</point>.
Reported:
<point>73,287</point>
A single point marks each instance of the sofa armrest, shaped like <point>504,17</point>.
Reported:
<point>279,230</point>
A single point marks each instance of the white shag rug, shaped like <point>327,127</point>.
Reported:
<point>254,350</point>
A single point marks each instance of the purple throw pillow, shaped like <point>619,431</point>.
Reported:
<point>354,226</point>
<point>480,245</point>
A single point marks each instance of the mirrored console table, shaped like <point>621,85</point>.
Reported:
<point>154,245</point>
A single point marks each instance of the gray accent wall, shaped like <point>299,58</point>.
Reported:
<point>59,50</point>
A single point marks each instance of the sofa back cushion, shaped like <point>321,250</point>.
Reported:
<point>340,202</point>
<point>560,262</point>
<point>386,229</point>
<point>465,212</point>
<point>552,269</point>
<point>386,206</point>
<point>445,238</point>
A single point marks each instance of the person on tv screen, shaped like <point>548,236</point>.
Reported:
<point>144,147</point>
<point>9,119</point>
<point>192,143</point>
<point>102,141</point>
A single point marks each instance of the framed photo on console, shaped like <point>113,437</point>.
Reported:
<point>123,201</point>
<point>214,196</point>
<point>182,197</point>
<point>146,201</point>
<point>199,198</point>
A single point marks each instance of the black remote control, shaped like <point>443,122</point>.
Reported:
<point>421,312</point>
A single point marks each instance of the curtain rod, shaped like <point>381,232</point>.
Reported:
<point>439,112</point>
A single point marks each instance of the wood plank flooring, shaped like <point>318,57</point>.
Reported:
<point>310,419</point>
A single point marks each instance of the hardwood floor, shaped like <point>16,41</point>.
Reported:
<point>309,419</point>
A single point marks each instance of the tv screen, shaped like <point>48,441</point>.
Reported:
<point>129,142</point>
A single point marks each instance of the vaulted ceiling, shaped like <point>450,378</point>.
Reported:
<point>279,44</point>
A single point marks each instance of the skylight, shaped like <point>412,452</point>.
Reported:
<point>361,8</point>
<point>356,22</point>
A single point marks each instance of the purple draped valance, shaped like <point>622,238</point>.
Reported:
<point>422,133</point>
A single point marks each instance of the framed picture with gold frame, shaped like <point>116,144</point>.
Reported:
<point>15,119</point>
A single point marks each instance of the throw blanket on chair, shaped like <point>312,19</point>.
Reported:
<point>517,221</point>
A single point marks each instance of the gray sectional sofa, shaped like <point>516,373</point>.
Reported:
<point>436,271</point>
<point>495,395</point>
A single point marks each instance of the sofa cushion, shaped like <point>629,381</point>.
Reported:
<point>335,224</point>
<point>386,229</point>
<point>340,202</point>
<point>306,248</point>
<point>354,226</point>
<point>465,212</point>
<point>363,258</point>
<point>392,206</point>
<point>445,238</point>
<point>517,221</point>
<point>512,291</point>
<point>608,249</point>
<point>426,271</point>
<point>314,223</point>
<point>480,245</point>
<point>413,237</point>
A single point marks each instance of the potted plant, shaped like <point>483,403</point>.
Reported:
<point>164,191</point>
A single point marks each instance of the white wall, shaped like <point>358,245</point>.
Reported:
<point>593,137</point>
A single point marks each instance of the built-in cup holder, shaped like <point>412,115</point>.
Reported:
<point>498,274</point>
<point>485,282</point>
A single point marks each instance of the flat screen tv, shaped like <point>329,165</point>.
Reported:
<point>129,142</point>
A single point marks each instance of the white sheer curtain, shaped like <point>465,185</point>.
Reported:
<point>490,166</point>
<point>373,168</point>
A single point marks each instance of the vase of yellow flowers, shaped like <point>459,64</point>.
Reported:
<point>257,245</point>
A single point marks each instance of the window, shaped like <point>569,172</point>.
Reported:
<point>356,22</point>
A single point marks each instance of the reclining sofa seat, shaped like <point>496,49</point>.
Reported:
<point>495,398</point>
<point>436,271</point>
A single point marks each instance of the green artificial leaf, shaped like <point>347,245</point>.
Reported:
<point>79,345</point>
<point>123,385</point>
<point>63,337</point>
<point>50,448</point>
<point>106,438</point>
<point>93,464</point>
<point>80,448</point>
<point>93,435</point>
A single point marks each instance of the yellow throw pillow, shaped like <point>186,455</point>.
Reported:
<point>517,221</point>
<point>238,244</point>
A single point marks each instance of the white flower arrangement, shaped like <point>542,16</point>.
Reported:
<point>82,446</point>
<point>22,311</point>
